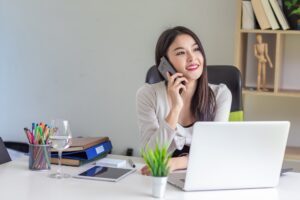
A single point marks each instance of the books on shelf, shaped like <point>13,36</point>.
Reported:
<point>260,14</point>
<point>279,14</point>
<point>81,143</point>
<point>248,19</point>
<point>270,15</point>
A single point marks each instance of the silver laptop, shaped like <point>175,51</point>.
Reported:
<point>234,155</point>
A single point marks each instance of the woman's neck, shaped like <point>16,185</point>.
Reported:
<point>190,89</point>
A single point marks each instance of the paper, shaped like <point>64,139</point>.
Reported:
<point>111,162</point>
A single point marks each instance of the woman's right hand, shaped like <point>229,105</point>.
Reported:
<point>175,85</point>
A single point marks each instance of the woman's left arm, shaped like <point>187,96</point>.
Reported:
<point>223,102</point>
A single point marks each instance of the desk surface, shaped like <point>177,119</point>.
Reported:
<point>17,182</point>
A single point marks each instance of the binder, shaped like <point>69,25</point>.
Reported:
<point>86,154</point>
<point>75,162</point>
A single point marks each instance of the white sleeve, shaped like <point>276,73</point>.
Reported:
<point>223,103</point>
<point>150,127</point>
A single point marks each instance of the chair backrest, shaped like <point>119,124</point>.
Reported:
<point>4,156</point>
<point>227,74</point>
<point>17,146</point>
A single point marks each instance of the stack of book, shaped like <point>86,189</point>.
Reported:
<point>268,13</point>
<point>83,150</point>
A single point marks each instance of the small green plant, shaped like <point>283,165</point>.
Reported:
<point>293,6</point>
<point>157,160</point>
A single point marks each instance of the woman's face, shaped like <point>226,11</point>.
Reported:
<point>184,54</point>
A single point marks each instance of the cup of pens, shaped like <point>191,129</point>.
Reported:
<point>39,157</point>
<point>39,147</point>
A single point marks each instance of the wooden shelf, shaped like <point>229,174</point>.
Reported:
<point>271,93</point>
<point>292,32</point>
<point>242,55</point>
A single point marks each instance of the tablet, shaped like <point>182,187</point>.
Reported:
<point>105,173</point>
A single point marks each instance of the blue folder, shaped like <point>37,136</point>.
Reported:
<point>87,154</point>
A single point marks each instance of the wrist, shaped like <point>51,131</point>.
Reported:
<point>172,118</point>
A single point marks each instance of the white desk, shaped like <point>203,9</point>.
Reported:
<point>17,182</point>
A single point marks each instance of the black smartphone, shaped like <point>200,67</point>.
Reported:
<point>164,67</point>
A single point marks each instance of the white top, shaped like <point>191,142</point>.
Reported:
<point>18,182</point>
<point>152,109</point>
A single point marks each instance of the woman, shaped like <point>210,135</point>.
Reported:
<point>167,110</point>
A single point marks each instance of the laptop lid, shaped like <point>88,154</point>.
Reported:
<point>4,156</point>
<point>235,155</point>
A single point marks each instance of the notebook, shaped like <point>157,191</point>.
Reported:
<point>234,155</point>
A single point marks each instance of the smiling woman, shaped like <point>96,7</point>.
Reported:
<point>168,110</point>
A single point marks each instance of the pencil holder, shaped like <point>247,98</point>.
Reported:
<point>39,157</point>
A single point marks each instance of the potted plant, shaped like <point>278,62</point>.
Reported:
<point>292,11</point>
<point>157,161</point>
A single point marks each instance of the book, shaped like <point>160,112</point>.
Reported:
<point>248,19</point>
<point>279,14</point>
<point>82,143</point>
<point>260,14</point>
<point>76,162</point>
<point>88,153</point>
<point>270,15</point>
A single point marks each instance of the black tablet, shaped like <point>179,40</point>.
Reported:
<point>105,173</point>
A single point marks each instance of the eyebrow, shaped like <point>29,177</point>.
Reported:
<point>179,48</point>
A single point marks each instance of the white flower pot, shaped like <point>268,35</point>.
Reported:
<point>159,185</point>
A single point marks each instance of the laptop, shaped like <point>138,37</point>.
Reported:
<point>234,155</point>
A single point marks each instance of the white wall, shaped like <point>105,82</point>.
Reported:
<point>83,60</point>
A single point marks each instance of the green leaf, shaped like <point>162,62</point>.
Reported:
<point>295,12</point>
<point>156,159</point>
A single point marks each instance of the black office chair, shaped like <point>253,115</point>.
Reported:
<point>227,74</point>
<point>17,146</point>
<point>4,156</point>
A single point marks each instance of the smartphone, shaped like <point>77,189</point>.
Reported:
<point>164,67</point>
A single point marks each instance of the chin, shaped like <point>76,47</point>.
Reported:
<point>193,76</point>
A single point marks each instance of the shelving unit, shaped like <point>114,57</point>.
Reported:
<point>242,54</point>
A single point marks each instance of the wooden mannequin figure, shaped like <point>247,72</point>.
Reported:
<point>261,53</point>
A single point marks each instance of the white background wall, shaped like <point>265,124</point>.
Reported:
<point>83,60</point>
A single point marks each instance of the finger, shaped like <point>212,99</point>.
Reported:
<point>175,76</point>
<point>168,76</point>
<point>180,80</point>
<point>181,87</point>
<point>145,171</point>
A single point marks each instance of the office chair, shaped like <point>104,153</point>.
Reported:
<point>17,146</point>
<point>4,156</point>
<point>227,74</point>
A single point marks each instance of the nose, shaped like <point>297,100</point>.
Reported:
<point>190,56</point>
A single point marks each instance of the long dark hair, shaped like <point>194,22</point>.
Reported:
<point>203,104</point>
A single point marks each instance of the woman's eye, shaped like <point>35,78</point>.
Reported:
<point>197,49</point>
<point>179,53</point>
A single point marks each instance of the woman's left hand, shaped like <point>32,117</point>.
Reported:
<point>174,164</point>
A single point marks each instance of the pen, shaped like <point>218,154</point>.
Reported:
<point>131,163</point>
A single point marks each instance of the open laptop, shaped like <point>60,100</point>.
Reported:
<point>234,155</point>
